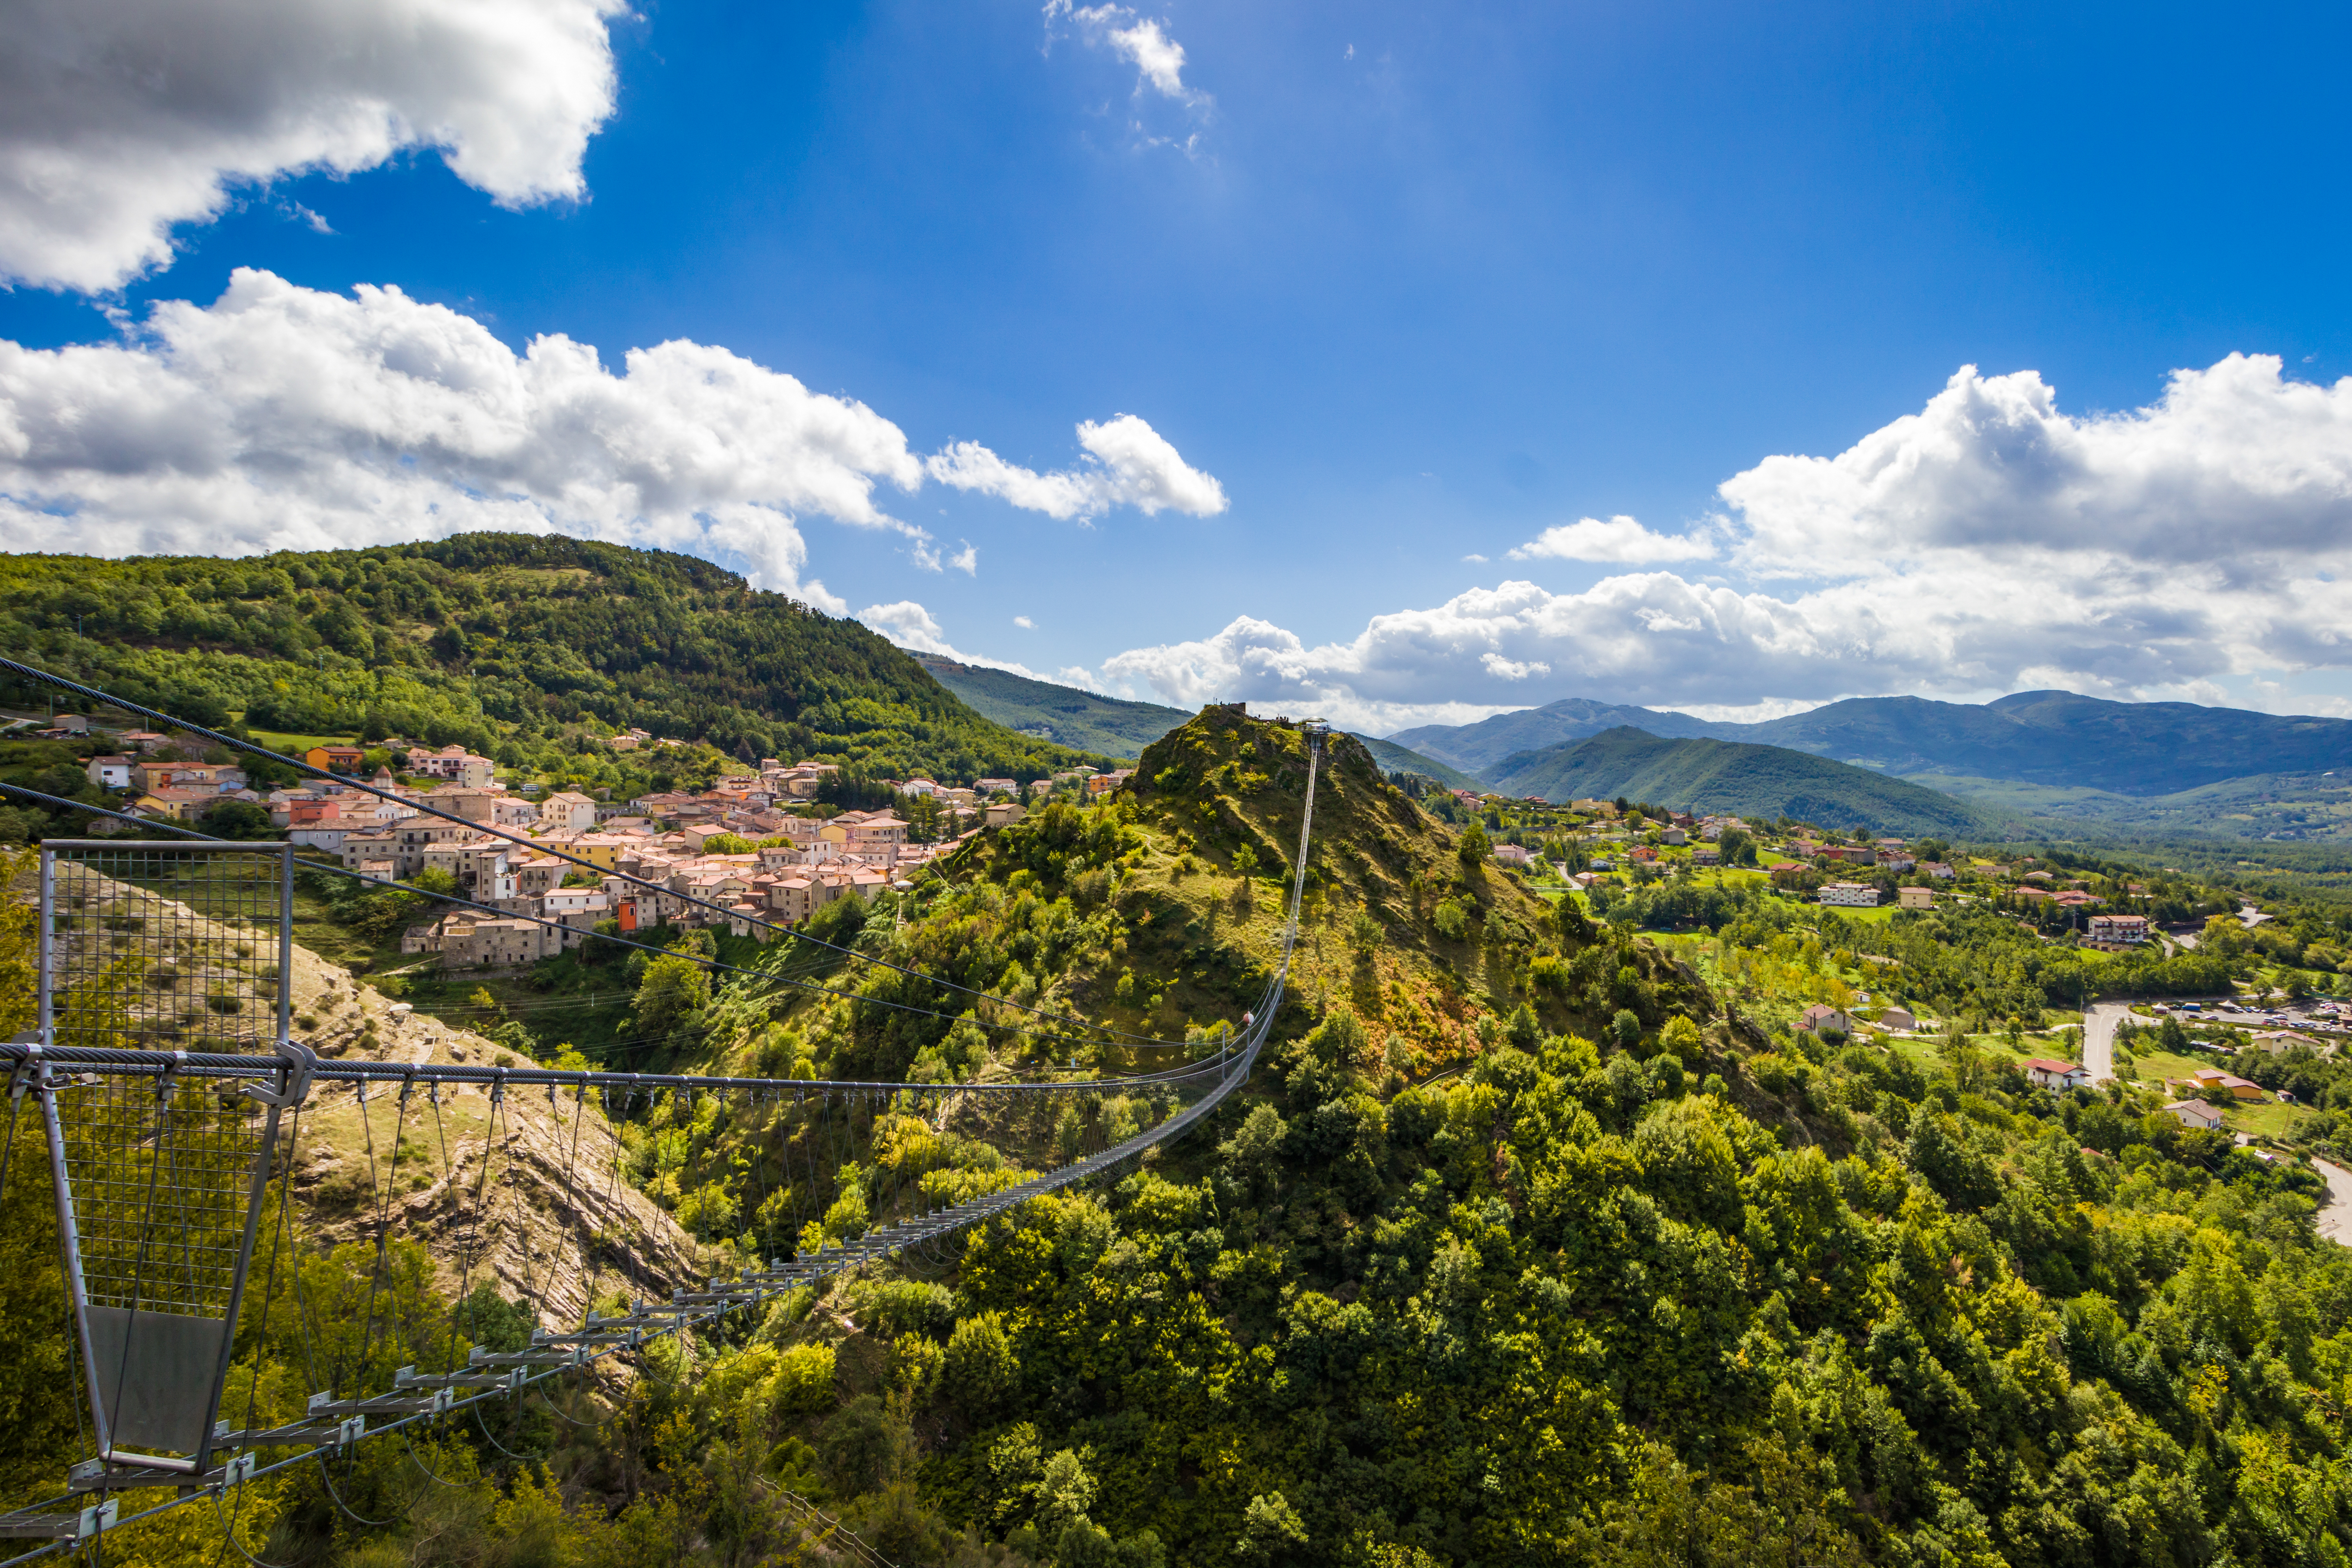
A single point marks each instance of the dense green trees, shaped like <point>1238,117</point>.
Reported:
<point>500,641</point>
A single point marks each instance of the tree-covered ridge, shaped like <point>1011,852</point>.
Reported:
<point>1733,778</point>
<point>1051,712</point>
<point>472,639</point>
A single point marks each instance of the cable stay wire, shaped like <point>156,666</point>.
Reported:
<point>33,672</point>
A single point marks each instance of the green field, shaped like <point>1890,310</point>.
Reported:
<point>295,745</point>
<point>2265,1121</point>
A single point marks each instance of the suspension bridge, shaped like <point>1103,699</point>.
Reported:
<point>163,1084</point>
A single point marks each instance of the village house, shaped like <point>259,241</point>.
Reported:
<point>578,908</point>
<point>217,778</point>
<point>337,758</point>
<point>478,863</point>
<point>496,943</point>
<point>1852,895</point>
<point>304,810</point>
<point>108,772</point>
<point>404,845</point>
<point>567,811</point>
<point>2119,930</point>
<point>2209,1079</point>
<point>2195,1113</point>
<point>2279,1041</point>
<point>2045,1072</point>
<point>455,763</point>
<point>1915,897</point>
<point>327,833</point>
<point>165,802</point>
<point>867,835</point>
<point>1822,1015</point>
<point>536,875</point>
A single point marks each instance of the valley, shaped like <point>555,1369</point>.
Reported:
<point>1716,1144</point>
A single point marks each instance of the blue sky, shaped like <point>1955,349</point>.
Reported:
<point>1414,284</point>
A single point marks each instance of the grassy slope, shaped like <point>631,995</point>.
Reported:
<point>1722,775</point>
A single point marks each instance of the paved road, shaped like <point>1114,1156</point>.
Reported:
<point>2099,1037</point>
<point>2336,1214</point>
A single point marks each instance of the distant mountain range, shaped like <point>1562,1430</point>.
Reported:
<point>1476,747</point>
<point>1050,712</point>
<point>1084,719</point>
<point>2054,738</point>
<point>1733,777</point>
<point>1904,764</point>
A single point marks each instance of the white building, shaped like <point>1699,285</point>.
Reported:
<point>2125,931</point>
<point>1854,895</point>
<point>567,811</point>
<point>2050,1074</point>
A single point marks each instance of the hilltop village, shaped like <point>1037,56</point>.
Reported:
<point>757,846</point>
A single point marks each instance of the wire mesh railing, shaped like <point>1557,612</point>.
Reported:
<point>148,950</point>
<point>163,946</point>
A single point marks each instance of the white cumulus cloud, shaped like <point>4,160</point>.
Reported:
<point>1143,42</point>
<point>1990,543</point>
<point>1502,669</point>
<point>1127,463</point>
<point>284,417</point>
<point>120,119</point>
<point>2234,465</point>
<point>1620,539</point>
<point>912,626</point>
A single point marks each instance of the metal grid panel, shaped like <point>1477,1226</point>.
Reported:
<point>161,1175</point>
<point>162,947</point>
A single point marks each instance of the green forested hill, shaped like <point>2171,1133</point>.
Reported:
<point>1067,714</point>
<point>1728,776</point>
<point>1075,717</point>
<point>1397,759</point>
<point>2062,740</point>
<point>500,640</point>
<point>2051,740</point>
<point>1484,745</point>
